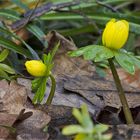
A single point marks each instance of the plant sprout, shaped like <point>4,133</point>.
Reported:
<point>42,71</point>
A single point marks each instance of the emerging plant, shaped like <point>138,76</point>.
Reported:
<point>114,37</point>
<point>5,69</point>
<point>86,130</point>
<point>42,71</point>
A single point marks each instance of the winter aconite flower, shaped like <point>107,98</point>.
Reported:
<point>36,68</point>
<point>115,34</point>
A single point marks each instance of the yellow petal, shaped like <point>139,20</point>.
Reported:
<point>106,31</point>
<point>126,23</point>
<point>120,35</point>
<point>36,68</point>
<point>115,34</point>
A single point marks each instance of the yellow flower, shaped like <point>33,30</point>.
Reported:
<point>36,68</point>
<point>115,34</point>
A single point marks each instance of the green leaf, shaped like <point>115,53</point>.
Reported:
<point>81,136</point>
<point>100,128</point>
<point>135,60</point>
<point>80,51</point>
<point>6,68</point>
<point>9,14</point>
<point>4,75</point>
<point>47,59</point>
<point>14,47</point>
<point>20,4</point>
<point>104,54</point>
<point>4,54</point>
<point>31,53</point>
<point>42,89</point>
<point>99,17</point>
<point>72,129</point>
<point>91,53</point>
<point>98,53</point>
<point>77,114</point>
<point>94,52</point>
<point>87,122</point>
<point>36,83</point>
<point>125,61</point>
<point>34,54</point>
<point>39,95</point>
<point>38,33</point>
<point>53,52</point>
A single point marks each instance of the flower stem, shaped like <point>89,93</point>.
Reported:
<point>126,110</point>
<point>53,86</point>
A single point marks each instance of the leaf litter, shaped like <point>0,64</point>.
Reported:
<point>77,83</point>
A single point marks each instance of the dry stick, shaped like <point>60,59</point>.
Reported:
<point>107,6</point>
<point>121,93</point>
<point>26,20</point>
<point>40,11</point>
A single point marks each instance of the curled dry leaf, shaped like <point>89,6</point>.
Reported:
<point>32,128</point>
<point>12,99</point>
<point>30,121</point>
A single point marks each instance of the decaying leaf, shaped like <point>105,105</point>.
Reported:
<point>78,83</point>
<point>32,128</point>
<point>124,132</point>
<point>12,99</point>
<point>15,112</point>
<point>6,120</point>
<point>131,80</point>
<point>64,64</point>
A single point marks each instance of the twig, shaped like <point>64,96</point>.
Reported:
<point>40,11</point>
<point>32,12</point>
<point>107,6</point>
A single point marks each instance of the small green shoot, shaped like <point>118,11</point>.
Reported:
<point>86,130</point>
<point>39,83</point>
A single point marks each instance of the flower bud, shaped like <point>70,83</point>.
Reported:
<point>115,34</point>
<point>36,68</point>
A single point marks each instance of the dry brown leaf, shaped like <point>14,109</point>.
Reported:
<point>125,77</point>
<point>32,128</point>
<point>23,34</point>
<point>132,80</point>
<point>29,124</point>
<point>14,99</point>
<point>64,64</point>
<point>135,131</point>
<point>6,120</point>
